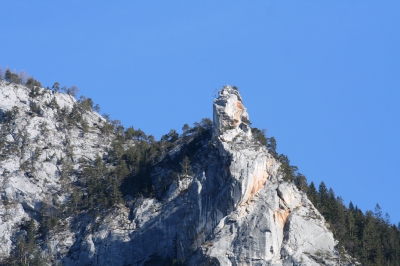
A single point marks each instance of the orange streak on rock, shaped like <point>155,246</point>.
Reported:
<point>281,216</point>
<point>259,180</point>
<point>239,106</point>
<point>258,184</point>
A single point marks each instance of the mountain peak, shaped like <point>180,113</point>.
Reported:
<point>230,115</point>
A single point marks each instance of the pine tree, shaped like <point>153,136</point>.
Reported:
<point>271,147</point>
<point>56,87</point>
<point>323,198</point>
<point>312,194</point>
<point>301,182</point>
<point>8,75</point>
<point>378,212</point>
<point>30,241</point>
<point>288,171</point>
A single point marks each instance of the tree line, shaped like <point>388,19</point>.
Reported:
<point>369,236</point>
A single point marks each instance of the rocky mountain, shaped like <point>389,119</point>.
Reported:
<point>211,196</point>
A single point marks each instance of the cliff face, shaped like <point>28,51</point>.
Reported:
<point>234,210</point>
<point>34,144</point>
<point>269,220</point>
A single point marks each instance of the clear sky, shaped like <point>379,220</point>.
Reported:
<point>323,77</point>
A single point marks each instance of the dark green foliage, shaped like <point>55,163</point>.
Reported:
<point>8,74</point>
<point>138,159</point>
<point>288,171</point>
<point>369,237</point>
<point>271,147</point>
<point>86,103</point>
<point>12,77</point>
<point>53,104</point>
<point>9,116</point>
<point>35,91</point>
<point>172,136</point>
<point>67,168</point>
<point>98,187</point>
<point>56,87</point>
<point>49,218</point>
<point>129,133</point>
<point>97,108</point>
<point>301,182</point>
<point>102,185</point>
<point>31,83</point>
<point>35,108</point>
<point>186,129</point>
<point>312,194</point>
<point>85,126</point>
<point>25,246</point>
<point>75,116</point>
<point>141,158</point>
<point>30,238</point>
<point>62,114</point>
<point>259,135</point>
<point>107,128</point>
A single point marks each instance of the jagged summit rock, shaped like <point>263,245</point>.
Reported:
<point>230,115</point>
<point>235,209</point>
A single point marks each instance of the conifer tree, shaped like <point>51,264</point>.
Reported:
<point>323,195</point>
<point>312,194</point>
<point>186,167</point>
<point>56,87</point>
<point>271,147</point>
<point>301,182</point>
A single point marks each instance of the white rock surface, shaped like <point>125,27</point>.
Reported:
<point>230,115</point>
<point>26,179</point>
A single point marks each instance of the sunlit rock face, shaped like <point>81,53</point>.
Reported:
<point>234,210</point>
<point>230,116</point>
<point>29,159</point>
<point>250,165</point>
<point>269,222</point>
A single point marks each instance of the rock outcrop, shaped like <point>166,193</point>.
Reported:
<point>35,144</point>
<point>234,210</point>
<point>269,221</point>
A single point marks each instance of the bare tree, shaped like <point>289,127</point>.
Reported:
<point>23,76</point>
<point>73,91</point>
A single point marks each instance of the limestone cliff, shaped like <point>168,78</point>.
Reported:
<point>234,209</point>
<point>34,144</point>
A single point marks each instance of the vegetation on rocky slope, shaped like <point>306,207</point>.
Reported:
<point>369,237</point>
<point>125,172</point>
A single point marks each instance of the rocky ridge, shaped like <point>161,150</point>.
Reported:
<point>36,148</point>
<point>235,209</point>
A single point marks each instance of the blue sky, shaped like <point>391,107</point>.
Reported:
<point>322,77</point>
